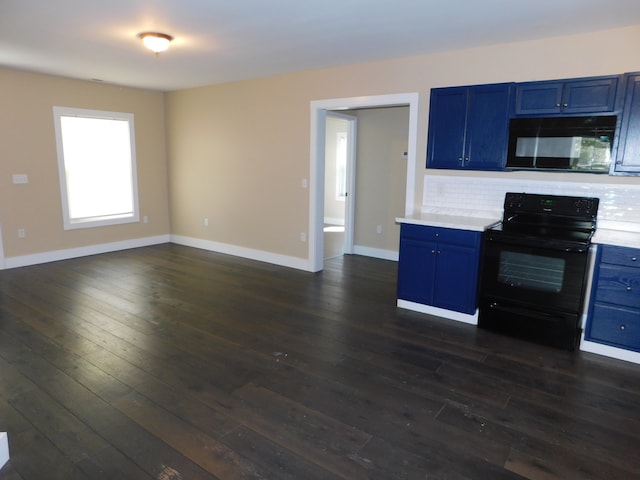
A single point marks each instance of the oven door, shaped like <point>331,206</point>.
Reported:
<point>549,278</point>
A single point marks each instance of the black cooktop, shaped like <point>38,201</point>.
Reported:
<point>542,232</point>
<point>547,220</point>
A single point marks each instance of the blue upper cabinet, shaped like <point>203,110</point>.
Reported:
<point>628,157</point>
<point>565,97</point>
<point>468,127</point>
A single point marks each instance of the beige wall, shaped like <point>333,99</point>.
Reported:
<point>28,146</point>
<point>381,175</point>
<point>238,151</point>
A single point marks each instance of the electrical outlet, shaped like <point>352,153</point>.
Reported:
<point>20,178</point>
<point>303,237</point>
<point>206,222</point>
<point>21,233</point>
<point>145,219</point>
<point>379,229</point>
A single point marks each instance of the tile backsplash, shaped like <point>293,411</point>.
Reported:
<point>484,197</point>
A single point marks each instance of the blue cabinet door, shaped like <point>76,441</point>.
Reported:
<point>456,278</point>
<point>447,127</point>
<point>439,267</point>
<point>590,96</point>
<point>468,127</point>
<point>533,98</point>
<point>416,267</point>
<point>628,155</point>
<point>487,127</point>
<point>563,97</point>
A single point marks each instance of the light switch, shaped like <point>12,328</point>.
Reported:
<point>20,178</point>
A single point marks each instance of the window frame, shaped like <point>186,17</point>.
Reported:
<point>103,220</point>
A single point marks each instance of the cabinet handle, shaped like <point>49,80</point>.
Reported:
<point>557,105</point>
<point>628,289</point>
<point>622,327</point>
<point>565,105</point>
<point>634,259</point>
<point>433,251</point>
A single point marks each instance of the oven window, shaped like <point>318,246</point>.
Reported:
<point>533,272</point>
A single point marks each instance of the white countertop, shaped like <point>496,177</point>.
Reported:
<point>449,221</point>
<point>620,238</point>
<point>622,234</point>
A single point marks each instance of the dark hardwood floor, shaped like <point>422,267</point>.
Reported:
<point>173,363</point>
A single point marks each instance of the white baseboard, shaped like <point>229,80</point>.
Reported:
<point>260,255</point>
<point>608,351</point>
<point>439,312</point>
<point>4,448</point>
<point>54,256</point>
<point>376,253</point>
<point>252,254</point>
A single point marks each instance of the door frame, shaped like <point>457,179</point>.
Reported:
<point>319,109</point>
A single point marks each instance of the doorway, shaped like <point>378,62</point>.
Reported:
<point>340,148</point>
<point>319,112</point>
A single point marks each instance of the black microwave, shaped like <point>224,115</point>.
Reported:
<point>581,143</point>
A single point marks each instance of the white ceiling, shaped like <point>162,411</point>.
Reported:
<point>225,40</point>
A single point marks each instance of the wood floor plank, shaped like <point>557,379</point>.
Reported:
<point>204,450</point>
<point>71,436</point>
<point>530,456</point>
<point>48,462</point>
<point>311,435</point>
<point>174,363</point>
<point>111,464</point>
<point>7,472</point>
<point>144,449</point>
<point>276,461</point>
<point>583,436</point>
<point>559,463</point>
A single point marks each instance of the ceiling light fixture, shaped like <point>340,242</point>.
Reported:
<point>156,42</point>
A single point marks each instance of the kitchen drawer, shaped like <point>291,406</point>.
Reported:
<point>616,326</point>
<point>450,236</point>
<point>620,256</point>
<point>619,285</point>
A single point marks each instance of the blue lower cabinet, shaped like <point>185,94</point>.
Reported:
<point>439,267</point>
<point>614,311</point>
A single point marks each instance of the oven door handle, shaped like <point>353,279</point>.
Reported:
<point>526,312</point>
<point>513,240</point>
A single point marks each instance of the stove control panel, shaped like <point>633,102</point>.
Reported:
<point>560,205</point>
